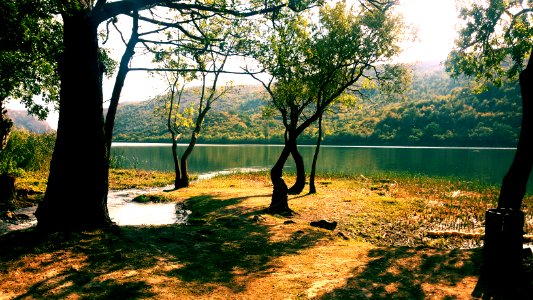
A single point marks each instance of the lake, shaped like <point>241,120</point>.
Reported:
<point>487,165</point>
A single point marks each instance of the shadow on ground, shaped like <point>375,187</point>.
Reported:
<point>227,243</point>
<point>402,273</point>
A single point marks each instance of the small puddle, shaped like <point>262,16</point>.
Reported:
<point>125,212</point>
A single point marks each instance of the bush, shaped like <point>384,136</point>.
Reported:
<point>27,151</point>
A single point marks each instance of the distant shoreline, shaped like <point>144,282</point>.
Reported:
<point>157,144</point>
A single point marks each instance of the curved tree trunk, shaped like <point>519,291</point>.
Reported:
<point>312,187</point>
<point>184,181</point>
<point>279,203</point>
<point>299,184</point>
<point>75,197</point>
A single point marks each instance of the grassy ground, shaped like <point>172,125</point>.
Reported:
<point>397,237</point>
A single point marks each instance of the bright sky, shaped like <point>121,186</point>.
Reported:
<point>434,21</point>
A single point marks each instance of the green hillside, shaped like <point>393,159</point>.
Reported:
<point>437,111</point>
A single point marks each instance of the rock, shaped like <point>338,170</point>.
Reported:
<point>343,236</point>
<point>258,219</point>
<point>324,224</point>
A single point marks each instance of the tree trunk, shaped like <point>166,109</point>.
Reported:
<point>177,171</point>
<point>299,185</point>
<point>194,137</point>
<point>312,187</point>
<point>5,126</point>
<point>503,243</point>
<point>279,203</point>
<point>514,183</point>
<point>7,191</point>
<point>76,195</point>
<point>119,82</point>
<point>184,181</point>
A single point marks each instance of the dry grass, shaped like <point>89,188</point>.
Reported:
<point>237,251</point>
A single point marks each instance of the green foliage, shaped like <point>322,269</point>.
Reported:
<point>494,41</point>
<point>30,39</point>
<point>315,57</point>
<point>26,151</point>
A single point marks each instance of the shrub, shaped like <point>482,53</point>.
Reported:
<point>27,151</point>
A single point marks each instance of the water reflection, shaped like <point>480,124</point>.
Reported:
<point>487,165</point>
<point>123,211</point>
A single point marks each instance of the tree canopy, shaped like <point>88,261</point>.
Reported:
<point>494,42</point>
<point>315,57</point>
<point>30,45</point>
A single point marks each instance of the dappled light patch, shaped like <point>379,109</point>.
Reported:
<point>412,273</point>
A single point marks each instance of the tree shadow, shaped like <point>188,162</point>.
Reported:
<point>231,243</point>
<point>409,273</point>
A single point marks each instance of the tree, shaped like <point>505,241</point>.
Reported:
<point>178,118</point>
<point>209,62</point>
<point>29,47</point>
<point>311,65</point>
<point>76,195</point>
<point>493,47</point>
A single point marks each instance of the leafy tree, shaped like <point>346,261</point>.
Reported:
<point>30,40</point>
<point>81,158</point>
<point>311,65</point>
<point>210,60</point>
<point>493,47</point>
<point>29,48</point>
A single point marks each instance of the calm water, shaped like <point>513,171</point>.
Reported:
<point>485,164</point>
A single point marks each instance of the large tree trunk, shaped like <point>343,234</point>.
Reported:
<point>280,200</point>
<point>312,187</point>
<point>299,184</point>
<point>75,197</point>
<point>503,243</point>
<point>514,183</point>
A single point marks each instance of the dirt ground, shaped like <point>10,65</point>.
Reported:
<point>233,249</point>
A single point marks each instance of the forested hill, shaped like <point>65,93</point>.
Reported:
<point>438,111</point>
<point>21,119</point>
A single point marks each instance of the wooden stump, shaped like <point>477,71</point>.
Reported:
<point>7,190</point>
<point>501,271</point>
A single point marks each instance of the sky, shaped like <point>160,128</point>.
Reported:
<point>433,20</point>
